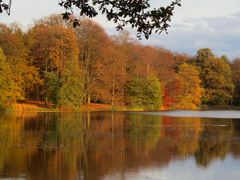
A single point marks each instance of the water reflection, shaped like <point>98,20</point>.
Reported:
<point>107,145</point>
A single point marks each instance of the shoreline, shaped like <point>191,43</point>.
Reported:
<point>35,106</point>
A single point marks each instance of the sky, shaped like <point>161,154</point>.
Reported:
<point>197,24</point>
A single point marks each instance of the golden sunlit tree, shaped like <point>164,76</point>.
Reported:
<point>190,96</point>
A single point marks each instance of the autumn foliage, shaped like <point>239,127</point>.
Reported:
<point>64,67</point>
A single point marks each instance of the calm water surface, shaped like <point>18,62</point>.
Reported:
<point>118,146</point>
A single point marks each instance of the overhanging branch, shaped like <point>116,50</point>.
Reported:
<point>5,7</point>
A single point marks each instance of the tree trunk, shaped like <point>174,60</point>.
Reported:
<point>89,98</point>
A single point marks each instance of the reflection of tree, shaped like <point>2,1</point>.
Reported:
<point>215,141</point>
<point>189,130</point>
<point>11,129</point>
<point>68,143</point>
<point>42,146</point>
<point>105,144</point>
<point>235,145</point>
<point>144,129</point>
<point>92,145</point>
<point>179,137</point>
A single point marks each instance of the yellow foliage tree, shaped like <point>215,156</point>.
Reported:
<point>190,96</point>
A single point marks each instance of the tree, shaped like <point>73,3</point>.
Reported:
<point>144,93</point>
<point>52,85</point>
<point>110,84</point>
<point>202,56</point>
<point>236,81</point>
<point>216,77</point>
<point>217,82</point>
<point>13,43</point>
<point>172,90</point>
<point>71,87</point>
<point>51,46</point>
<point>7,89</point>
<point>129,51</point>
<point>93,43</point>
<point>190,96</point>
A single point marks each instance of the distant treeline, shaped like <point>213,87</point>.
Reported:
<point>53,63</point>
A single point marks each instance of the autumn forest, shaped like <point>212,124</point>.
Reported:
<point>66,67</point>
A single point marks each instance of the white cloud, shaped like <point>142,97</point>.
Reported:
<point>222,34</point>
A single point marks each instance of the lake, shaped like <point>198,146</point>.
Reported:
<point>120,146</point>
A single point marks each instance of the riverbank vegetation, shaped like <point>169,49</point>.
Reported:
<point>66,68</point>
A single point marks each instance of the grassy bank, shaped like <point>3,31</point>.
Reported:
<point>33,106</point>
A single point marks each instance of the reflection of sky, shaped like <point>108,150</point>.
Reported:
<point>203,114</point>
<point>196,24</point>
<point>185,170</point>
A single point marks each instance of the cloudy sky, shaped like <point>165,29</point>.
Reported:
<point>197,24</point>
